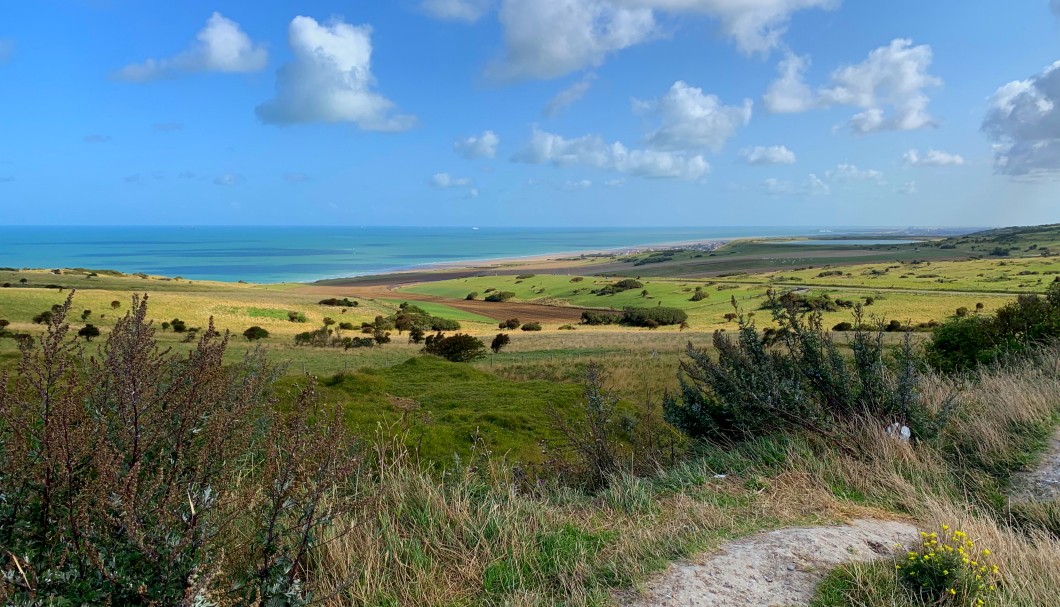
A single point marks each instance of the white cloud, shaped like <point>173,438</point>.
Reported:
<point>590,150</point>
<point>228,179</point>
<point>468,11</point>
<point>221,46</point>
<point>908,188</point>
<point>557,37</point>
<point>446,181</point>
<point>693,120</point>
<point>849,172</point>
<point>888,87</point>
<point>478,146</point>
<point>7,49</point>
<point>330,80</point>
<point>473,193</point>
<point>776,154</point>
<point>757,26</point>
<point>569,96</point>
<point>933,158</point>
<point>581,184</point>
<point>789,93</point>
<point>615,183</point>
<point>1024,123</point>
<point>811,186</point>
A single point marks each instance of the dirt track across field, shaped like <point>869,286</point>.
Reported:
<point>496,310</point>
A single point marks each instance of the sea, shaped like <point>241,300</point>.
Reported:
<point>277,254</point>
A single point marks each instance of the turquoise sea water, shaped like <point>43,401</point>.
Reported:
<point>282,254</point>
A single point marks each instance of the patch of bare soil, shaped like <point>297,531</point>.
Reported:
<point>776,569</point>
<point>495,310</point>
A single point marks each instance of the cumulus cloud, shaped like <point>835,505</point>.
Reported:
<point>569,96</point>
<point>7,49</point>
<point>228,179</point>
<point>96,138</point>
<point>789,93</point>
<point>221,46</point>
<point>888,87</point>
<point>446,181</point>
<point>468,11</point>
<point>1023,120</point>
<point>550,39</point>
<point>761,155</point>
<point>478,146</point>
<point>581,184</point>
<point>615,183</point>
<point>908,188</point>
<point>330,80</point>
<point>932,158</point>
<point>693,120</point>
<point>757,26</point>
<point>849,172</point>
<point>592,151</point>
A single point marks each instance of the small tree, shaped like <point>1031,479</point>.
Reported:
<point>178,325</point>
<point>416,335</point>
<point>346,326</point>
<point>255,333</point>
<point>381,337</point>
<point>4,324</point>
<point>961,312</point>
<point>532,326</point>
<point>88,332</point>
<point>472,296</point>
<point>114,305</point>
<point>511,324</point>
<point>85,314</point>
<point>328,321</point>
<point>22,281</point>
<point>165,326</point>
<point>43,318</point>
<point>500,342</point>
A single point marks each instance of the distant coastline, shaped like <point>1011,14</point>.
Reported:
<point>268,255</point>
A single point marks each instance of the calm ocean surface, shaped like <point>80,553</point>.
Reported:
<point>282,254</point>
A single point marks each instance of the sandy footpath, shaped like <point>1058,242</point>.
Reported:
<point>775,569</point>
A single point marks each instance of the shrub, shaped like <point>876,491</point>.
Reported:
<point>620,286</point>
<point>500,342</point>
<point>43,318</point>
<point>444,324</point>
<point>525,276</point>
<point>961,312</point>
<point>511,323</point>
<point>594,317</point>
<point>750,389</point>
<point>357,342</point>
<point>843,326</point>
<point>532,326</point>
<point>472,296</point>
<point>178,325</point>
<point>85,314</point>
<point>345,302</point>
<point>577,279</point>
<point>255,333</point>
<point>641,317</point>
<point>4,324</point>
<point>212,477</point>
<point>949,569</point>
<point>500,296</point>
<point>699,295</point>
<point>567,328</point>
<point>88,332</point>
<point>294,316</point>
<point>457,348</point>
<point>416,335</point>
<point>328,321</point>
<point>346,326</point>
<point>114,305</point>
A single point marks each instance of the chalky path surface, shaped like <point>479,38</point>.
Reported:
<point>777,569</point>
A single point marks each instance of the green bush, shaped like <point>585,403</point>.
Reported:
<point>255,333</point>
<point>459,348</point>
<point>594,317</point>
<point>345,302</point>
<point>532,326</point>
<point>472,296</point>
<point>88,332</point>
<point>294,316</point>
<point>511,324</point>
<point>796,377</point>
<point>660,316</point>
<point>627,284</point>
<point>500,296</point>
<point>500,342</point>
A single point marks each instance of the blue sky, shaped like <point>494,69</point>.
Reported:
<point>530,112</point>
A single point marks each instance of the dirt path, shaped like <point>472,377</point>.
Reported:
<point>780,568</point>
<point>1042,483</point>
<point>495,310</point>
